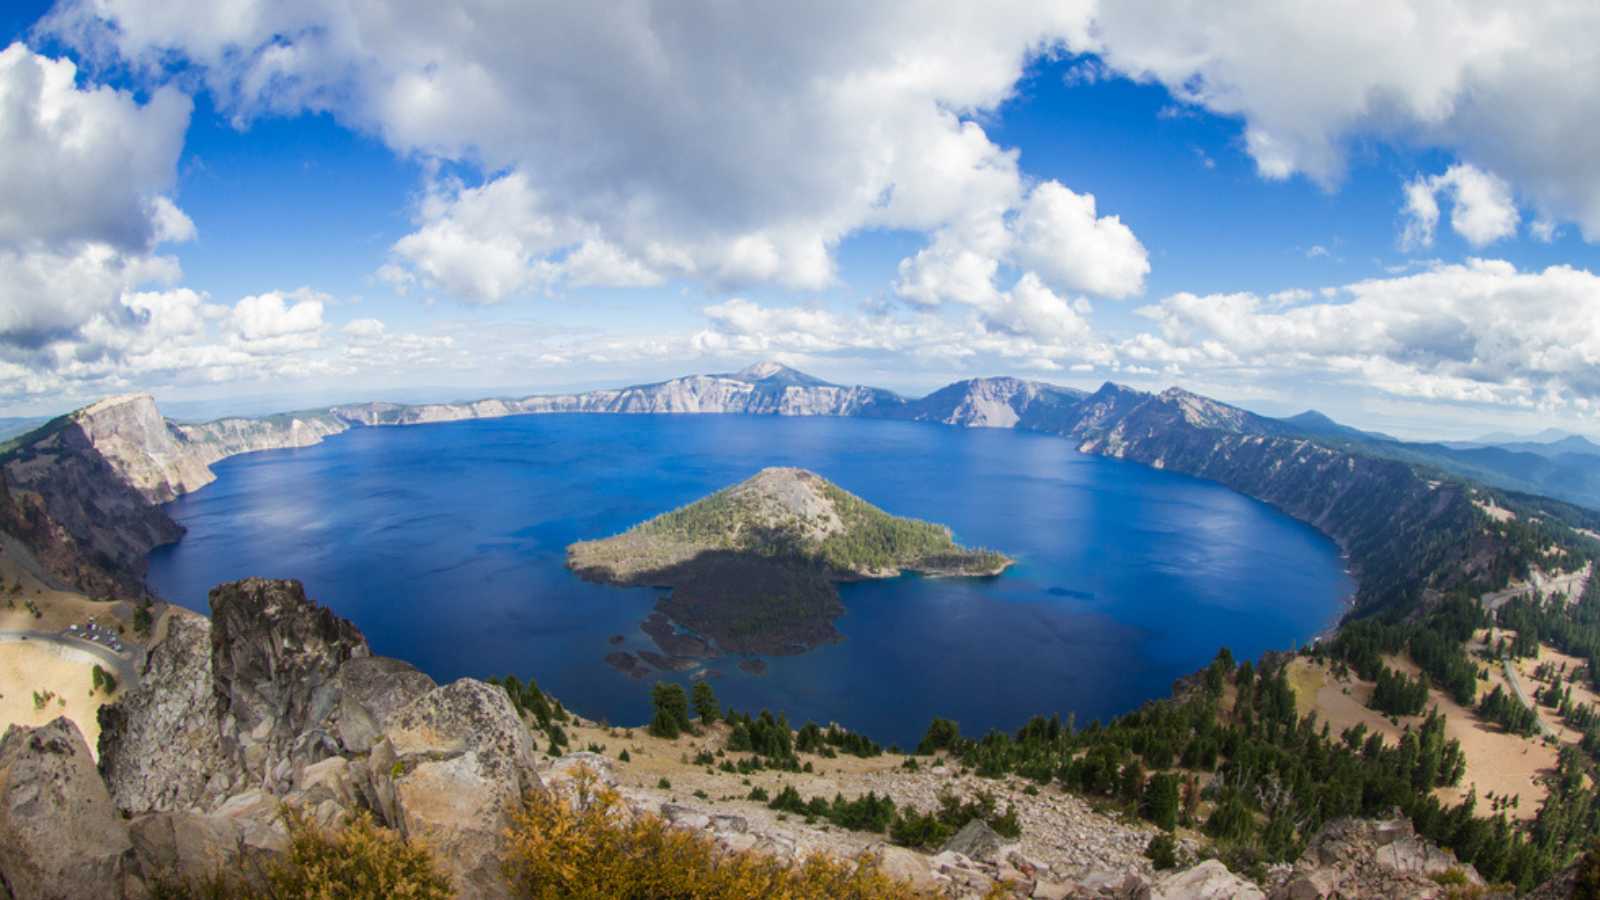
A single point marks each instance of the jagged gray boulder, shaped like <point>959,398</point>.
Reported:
<point>160,745</point>
<point>191,847</point>
<point>1358,858</point>
<point>1210,880</point>
<point>275,662</point>
<point>976,840</point>
<point>60,835</point>
<point>184,846</point>
<point>451,769</point>
<point>371,690</point>
<point>277,702</point>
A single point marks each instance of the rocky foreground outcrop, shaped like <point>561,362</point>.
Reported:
<point>275,703</point>
<point>1364,858</point>
<point>59,835</point>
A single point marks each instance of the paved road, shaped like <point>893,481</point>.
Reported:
<point>1516,685</point>
<point>121,664</point>
<point>1571,584</point>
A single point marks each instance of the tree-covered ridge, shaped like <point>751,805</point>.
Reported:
<point>727,520</point>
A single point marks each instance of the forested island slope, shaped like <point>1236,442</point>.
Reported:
<point>752,566</point>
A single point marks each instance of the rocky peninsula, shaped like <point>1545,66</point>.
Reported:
<point>752,568</point>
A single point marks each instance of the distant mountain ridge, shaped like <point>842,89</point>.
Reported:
<point>1385,503</point>
<point>1315,423</point>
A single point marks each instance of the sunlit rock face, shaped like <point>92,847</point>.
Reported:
<point>60,835</point>
<point>275,702</point>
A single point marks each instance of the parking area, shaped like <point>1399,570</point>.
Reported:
<point>96,633</point>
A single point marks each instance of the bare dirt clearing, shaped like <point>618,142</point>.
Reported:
<point>1497,762</point>
<point>61,677</point>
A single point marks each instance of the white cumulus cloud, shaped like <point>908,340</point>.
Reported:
<point>726,143</point>
<point>84,176</point>
<point>1511,90</point>
<point>1050,233</point>
<point>1059,236</point>
<point>273,321</point>
<point>1476,332</point>
<point>1482,208</point>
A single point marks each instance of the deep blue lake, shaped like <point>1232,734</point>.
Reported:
<point>445,543</point>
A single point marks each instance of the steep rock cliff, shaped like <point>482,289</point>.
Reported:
<point>209,442</point>
<point>275,660</point>
<point>994,403</point>
<point>279,702</point>
<point>160,743</point>
<point>84,488</point>
<point>83,493</point>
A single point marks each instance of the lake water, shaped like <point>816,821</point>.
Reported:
<point>445,543</point>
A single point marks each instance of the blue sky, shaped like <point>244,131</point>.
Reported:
<point>904,202</point>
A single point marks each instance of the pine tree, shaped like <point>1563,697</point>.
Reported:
<point>1160,801</point>
<point>671,710</point>
<point>705,703</point>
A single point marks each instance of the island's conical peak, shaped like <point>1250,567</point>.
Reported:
<point>784,498</point>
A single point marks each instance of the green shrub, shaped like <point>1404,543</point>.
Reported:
<point>1162,851</point>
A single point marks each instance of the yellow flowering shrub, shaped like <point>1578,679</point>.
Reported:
<point>358,862</point>
<point>361,861</point>
<point>588,847</point>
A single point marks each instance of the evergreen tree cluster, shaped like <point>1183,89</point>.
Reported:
<point>764,735</point>
<point>547,712</point>
<point>834,740</point>
<point>1398,695</point>
<point>1509,713</point>
<point>909,827</point>
<point>705,703</point>
<point>873,539</point>
<point>1574,629</point>
<point>671,711</point>
<point>1435,644</point>
<point>929,830</point>
<point>868,812</point>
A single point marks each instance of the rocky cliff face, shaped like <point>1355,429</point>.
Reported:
<point>993,403</point>
<point>1358,859</point>
<point>212,441</point>
<point>1384,514</point>
<point>276,701</point>
<point>275,661</point>
<point>146,451</point>
<point>160,744</point>
<point>83,494</point>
